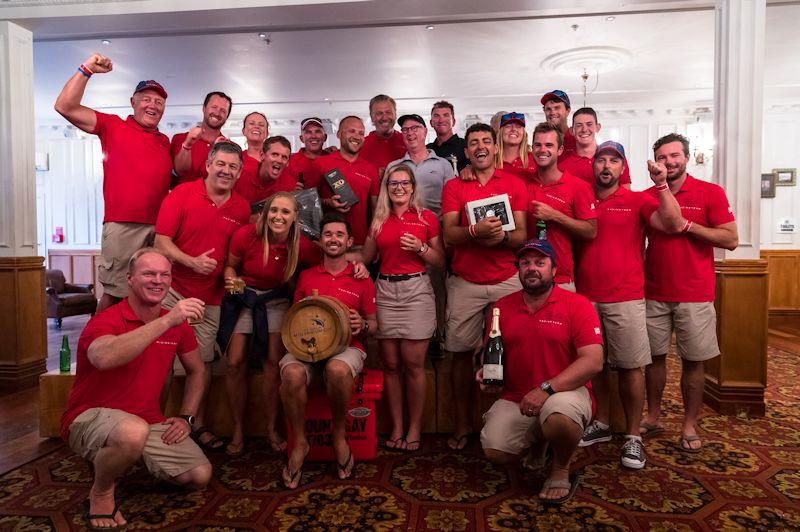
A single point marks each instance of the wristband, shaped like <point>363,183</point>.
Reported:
<point>184,147</point>
<point>423,249</point>
<point>687,226</point>
<point>662,186</point>
<point>471,231</point>
<point>85,70</point>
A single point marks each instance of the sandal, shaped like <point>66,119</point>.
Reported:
<point>648,430</point>
<point>394,444</point>
<point>277,444</point>
<point>213,445</point>
<point>686,443</point>
<point>294,477</point>
<point>345,470</point>
<point>570,485</point>
<point>234,449</point>
<point>418,444</point>
<point>458,443</point>
<point>111,516</point>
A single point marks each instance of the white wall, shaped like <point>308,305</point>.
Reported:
<point>781,149</point>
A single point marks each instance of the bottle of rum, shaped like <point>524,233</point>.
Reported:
<point>493,354</point>
<point>64,355</point>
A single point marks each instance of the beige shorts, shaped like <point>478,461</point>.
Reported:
<point>205,332</point>
<point>352,356</point>
<point>569,287</point>
<point>625,332</point>
<point>405,309</point>
<point>276,308</point>
<point>506,429</point>
<point>90,430</point>
<point>467,304</point>
<point>119,242</point>
<point>695,326</point>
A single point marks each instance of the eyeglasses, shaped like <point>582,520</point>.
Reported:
<point>411,129</point>
<point>396,184</point>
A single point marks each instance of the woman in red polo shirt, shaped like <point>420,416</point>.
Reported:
<point>255,128</point>
<point>264,255</point>
<point>514,153</point>
<point>407,238</point>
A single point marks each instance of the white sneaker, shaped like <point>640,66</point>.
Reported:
<point>633,453</point>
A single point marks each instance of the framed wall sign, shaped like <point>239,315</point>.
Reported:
<point>768,185</point>
<point>785,177</point>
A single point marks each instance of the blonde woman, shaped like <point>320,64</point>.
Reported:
<point>264,256</point>
<point>407,237</point>
<point>513,151</point>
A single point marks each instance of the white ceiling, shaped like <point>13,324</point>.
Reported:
<point>666,58</point>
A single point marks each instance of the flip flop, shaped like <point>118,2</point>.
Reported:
<point>394,442</point>
<point>113,513</point>
<point>648,430</point>
<point>458,443</point>
<point>294,477</point>
<point>570,484</point>
<point>418,444</point>
<point>213,445</point>
<point>234,449</point>
<point>686,443</point>
<point>277,444</point>
<point>346,468</point>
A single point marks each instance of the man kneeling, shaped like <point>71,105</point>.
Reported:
<point>552,348</point>
<point>334,277</point>
<point>113,416</point>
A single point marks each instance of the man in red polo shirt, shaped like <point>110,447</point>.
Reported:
<point>194,227</point>
<point>136,170</point>
<point>561,200</point>
<point>483,263</point>
<point>361,175</point>
<point>334,277</point>
<point>303,164</point>
<point>272,176</point>
<point>112,417</point>
<point>552,348</point>
<point>556,108</point>
<point>581,163</point>
<point>190,150</point>
<point>383,145</point>
<point>610,272</point>
<point>679,285</point>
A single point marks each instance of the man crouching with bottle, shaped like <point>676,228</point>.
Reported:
<point>552,347</point>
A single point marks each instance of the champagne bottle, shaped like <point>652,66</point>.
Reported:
<point>64,355</point>
<point>493,354</point>
<point>541,230</point>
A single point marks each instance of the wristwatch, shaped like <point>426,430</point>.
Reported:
<point>365,327</point>
<point>189,419</point>
<point>547,388</point>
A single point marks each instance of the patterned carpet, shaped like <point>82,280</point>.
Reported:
<point>747,477</point>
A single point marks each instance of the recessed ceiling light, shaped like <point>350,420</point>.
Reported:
<point>429,27</point>
<point>105,42</point>
<point>443,95</point>
<point>611,18</point>
<point>262,35</point>
<point>327,99</point>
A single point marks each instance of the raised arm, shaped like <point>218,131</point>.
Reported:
<point>667,217</point>
<point>68,103</point>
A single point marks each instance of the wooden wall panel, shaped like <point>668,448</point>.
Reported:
<point>784,280</point>
<point>79,266</point>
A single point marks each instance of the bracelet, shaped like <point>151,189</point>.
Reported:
<point>184,147</point>
<point>85,70</point>
<point>423,249</point>
<point>687,226</point>
<point>662,186</point>
<point>471,231</point>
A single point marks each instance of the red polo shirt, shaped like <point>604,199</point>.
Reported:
<point>475,263</point>
<point>304,169</point>
<point>570,196</point>
<point>363,178</point>
<point>540,345</point>
<point>610,268</point>
<point>134,387</point>
<point>516,168</point>
<point>583,167</point>
<point>358,294</point>
<point>570,145</point>
<point>200,151</point>
<point>394,259</point>
<point>195,224</point>
<point>252,189</point>
<point>679,267</point>
<point>380,151</point>
<point>136,169</point>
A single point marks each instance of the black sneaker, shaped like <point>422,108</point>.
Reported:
<point>594,433</point>
<point>633,453</point>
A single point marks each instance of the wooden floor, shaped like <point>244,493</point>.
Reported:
<point>19,415</point>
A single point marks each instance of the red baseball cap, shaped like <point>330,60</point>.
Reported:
<point>151,85</point>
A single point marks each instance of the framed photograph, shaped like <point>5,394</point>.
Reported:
<point>785,177</point>
<point>768,185</point>
<point>498,206</point>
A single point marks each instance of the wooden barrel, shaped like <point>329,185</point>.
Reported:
<point>316,327</point>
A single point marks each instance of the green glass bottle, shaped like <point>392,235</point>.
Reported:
<point>541,230</point>
<point>64,356</point>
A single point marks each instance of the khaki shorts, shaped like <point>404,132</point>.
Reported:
<point>466,308</point>
<point>90,430</point>
<point>506,429</point>
<point>695,326</point>
<point>352,356</point>
<point>625,332</point>
<point>119,242</point>
<point>569,287</point>
<point>276,308</point>
<point>205,332</point>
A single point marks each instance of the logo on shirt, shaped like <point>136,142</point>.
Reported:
<point>231,220</point>
<point>591,205</point>
<point>617,209</point>
<point>348,292</point>
<point>559,199</point>
<point>597,330</point>
<point>552,322</point>
<point>691,208</point>
<point>167,342</point>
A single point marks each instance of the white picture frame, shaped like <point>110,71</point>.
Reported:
<point>499,206</point>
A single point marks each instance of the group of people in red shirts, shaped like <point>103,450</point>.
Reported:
<point>561,254</point>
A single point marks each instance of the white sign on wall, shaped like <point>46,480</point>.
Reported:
<point>787,225</point>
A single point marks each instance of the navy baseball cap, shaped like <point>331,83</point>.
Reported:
<point>558,94</point>
<point>610,145</point>
<point>151,85</point>
<point>508,118</point>
<point>414,117</point>
<point>542,246</point>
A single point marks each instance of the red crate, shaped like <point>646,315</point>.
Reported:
<point>361,420</point>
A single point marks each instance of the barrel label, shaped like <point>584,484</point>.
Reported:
<point>360,411</point>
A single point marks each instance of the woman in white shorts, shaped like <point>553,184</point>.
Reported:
<point>263,255</point>
<point>407,238</point>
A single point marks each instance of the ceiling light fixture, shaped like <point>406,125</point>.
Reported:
<point>327,99</point>
<point>429,27</point>
<point>105,42</point>
<point>262,35</point>
<point>611,18</point>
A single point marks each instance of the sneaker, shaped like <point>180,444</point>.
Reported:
<point>633,453</point>
<point>595,433</point>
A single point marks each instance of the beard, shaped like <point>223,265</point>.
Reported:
<point>606,184</point>
<point>537,289</point>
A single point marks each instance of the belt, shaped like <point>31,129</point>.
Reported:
<point>401,277</point>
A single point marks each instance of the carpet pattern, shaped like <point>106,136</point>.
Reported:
<point>747,477</point>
